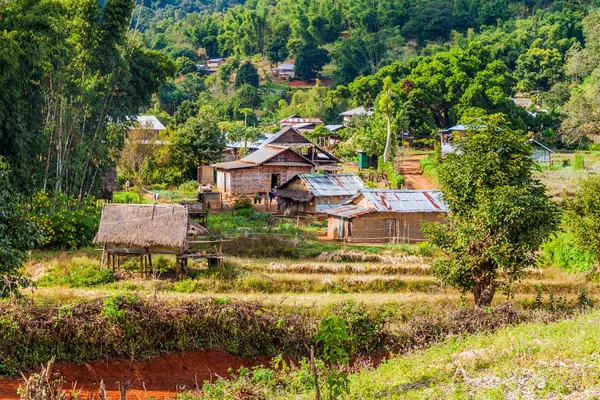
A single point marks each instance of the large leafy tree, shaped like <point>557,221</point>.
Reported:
<point>199,141</point>
<point>247,75</point>
<point>17,235</point>
<point>539,69</point>
<point>499,214</point>
<point>310,61</point>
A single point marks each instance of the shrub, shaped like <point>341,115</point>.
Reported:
<point>399,181</point>
<point>80,272</point>
<point>65,222</point>
<point>429,168</point>
<point>579,162</point>
<point>128,198</point>
<point>562,252</point>
<point>242,203</point>
<point>189,186</point>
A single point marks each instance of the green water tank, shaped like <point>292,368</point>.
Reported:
<point>363,160</point>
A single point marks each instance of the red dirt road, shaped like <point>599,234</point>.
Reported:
<point>161,377</point>
<point>413,178</point>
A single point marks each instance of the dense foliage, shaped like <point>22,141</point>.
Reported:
<point>17,235</point>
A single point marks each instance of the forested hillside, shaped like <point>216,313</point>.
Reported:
<point>73,71</point>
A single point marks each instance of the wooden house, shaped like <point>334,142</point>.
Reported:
<point>215,62</point>
<point>299,122</point>
<point>109,185</point>
<point>285,70</point>
<point>292,138</point>
<point>348,115</point>
<point>384,216</point>
<point>261,171</point>
<point>316,193</point>
<point>141,230</point>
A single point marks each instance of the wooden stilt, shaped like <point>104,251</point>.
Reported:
<point>150,264</point>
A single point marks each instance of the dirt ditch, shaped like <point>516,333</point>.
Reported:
<point>161,378</point>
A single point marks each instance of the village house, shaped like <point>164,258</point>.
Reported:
<point>284,71</point>
<point>541,153</point>
<point>292,138</point>
<point>146,123</point>
<point>300,123</point>
<point>215,62</point>
<point>384,216</point>
<point>348,115</point>
<point>316,193</point>
<point>234,150</point>
<point>261,171</point>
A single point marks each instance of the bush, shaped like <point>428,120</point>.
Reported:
<point>65,222</point>
<point>562,252</point>
<point>242,203</point>
<point>579,162</point>
<point>399,181</point>
<point>189,187</point>
<point>80,272</point>
<point>128,198</point>
<point>429,168</point>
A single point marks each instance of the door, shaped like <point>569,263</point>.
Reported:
<point>275,180</point>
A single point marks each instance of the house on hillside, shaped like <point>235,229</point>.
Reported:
<point>348,115</point>
<point>300,123</point>
<point>203,69</point>
<point>541,153</point>
<point>316,193</point>
<point>262,171</point>
<point>292,138</point>
<point>215,62</point>
<point>146,123</point>
<point>284,71</point>
<point>384,216</point>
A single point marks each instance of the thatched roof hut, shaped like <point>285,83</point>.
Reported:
<point>143,228</point>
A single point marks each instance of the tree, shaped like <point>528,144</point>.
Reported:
<point>582,217</point>
<point>310,61</point>
<point>17,235</point>
<point>199,141</point>
<point>499,214</point>
<point>277,50</point>
<point>539,69</point>
<point>387,105</point>
<point>430,20</point>
<point>247,75</point>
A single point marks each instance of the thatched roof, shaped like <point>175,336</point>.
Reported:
<point>144,226</point>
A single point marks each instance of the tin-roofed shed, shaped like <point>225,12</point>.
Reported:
<point>316,193</point>
<point>383,216</point>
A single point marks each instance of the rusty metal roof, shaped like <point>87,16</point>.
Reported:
<point>402,200</point>
<point>332,184</point>
<point>348,211</point>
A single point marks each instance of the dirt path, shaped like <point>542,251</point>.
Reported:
<point>411,171</point>
<point>159,378</point>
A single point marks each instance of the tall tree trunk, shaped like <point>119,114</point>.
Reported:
<point>388,140</point>
<point>484,289</point>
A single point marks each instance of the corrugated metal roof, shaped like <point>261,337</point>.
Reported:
<point>285,67</point>
<point>404,200</point>
<point>149,122</point>
<point>332,185</point>
<point>356,111</point>
<point>348,211</point>
<point>263,154</point>
<point>233,165</point>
